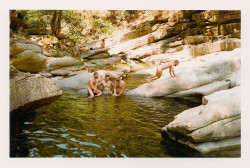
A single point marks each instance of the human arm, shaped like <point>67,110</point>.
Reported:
<point>123,89</point>
<point>100,83</point>
<point>114,85</point>
<point>172,70</point>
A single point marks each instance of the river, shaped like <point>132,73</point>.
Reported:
<point>106,126</point>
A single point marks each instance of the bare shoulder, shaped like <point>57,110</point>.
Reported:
<point>123,83</point>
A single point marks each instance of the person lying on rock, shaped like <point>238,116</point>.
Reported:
<point>107,85</point>
<point>102,46</point>
<point>162,67</point>
<point>119,86</point>
<point>92,86</point>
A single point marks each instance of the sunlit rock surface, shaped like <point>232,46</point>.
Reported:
<point>27,90</point>
<point>218,118</point>
<point>191,77</point>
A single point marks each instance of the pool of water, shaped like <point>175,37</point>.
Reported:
<point>106,126</point>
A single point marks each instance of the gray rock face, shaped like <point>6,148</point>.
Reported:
<point>235,80</point>
<point>60,72</point>
<point>103,62</point>
<point>61,62</point>
<point>17,48</point>
<point>222,45</point>
<point>203,90</point>
<point>13,70</point>
<point>218,118</point>
<point>196,39</point>
<point>206,73</point>
<point>27,91</point>
<point>93,52</point>
<point>29,61</point>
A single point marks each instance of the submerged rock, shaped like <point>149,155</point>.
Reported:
<point>28,91</point>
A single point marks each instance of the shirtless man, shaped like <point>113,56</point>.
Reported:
<point>119,86</point>
<point>103,43</point>
<point>102,46</point>
<point>92,86</point>
<point>107,84</point>
<point>162,67</point>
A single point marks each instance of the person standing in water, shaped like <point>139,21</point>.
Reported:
<point>162,67</point>
<point>107,85</point>
<point>92,86</point>
<point>119,86</point>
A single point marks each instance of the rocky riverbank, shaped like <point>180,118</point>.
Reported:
<point>207,44</point>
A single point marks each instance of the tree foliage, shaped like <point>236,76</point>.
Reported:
<point>79,24</point>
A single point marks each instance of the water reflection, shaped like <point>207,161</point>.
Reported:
<point>107,126</point>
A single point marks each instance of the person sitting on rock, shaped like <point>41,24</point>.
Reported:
<point>119,86</point>
<point>92,86</point>
<point>162,67</point>
<point>102,46</point>
<point>107,85</point>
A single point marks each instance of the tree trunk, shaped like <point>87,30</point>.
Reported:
<point>58,28</point>
<point>53,23</point>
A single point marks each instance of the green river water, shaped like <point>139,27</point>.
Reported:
<point>106,126</point>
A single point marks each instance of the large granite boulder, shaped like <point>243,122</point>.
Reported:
<point>103,62</point>
<point>206,72</point>
<point>217,119</point>
<point>203,90</point>
<point>56,63</point>
<point>17,48</point>
<point>29,61</point>
<point>90,53</point>
<point>28,91</point>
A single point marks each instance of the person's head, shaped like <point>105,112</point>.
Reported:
<point>103,40</point>
<point>118,78</point>
<point>96,75</point>
<point>106,77</point>
<point>176,62</point>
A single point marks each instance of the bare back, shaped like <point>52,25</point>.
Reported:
<point>167,65</point>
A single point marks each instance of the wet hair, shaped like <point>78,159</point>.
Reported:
<point>176,61</point>
<point>95,73</point>
<point>106,76</point>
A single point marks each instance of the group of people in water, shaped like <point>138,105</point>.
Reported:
<point>118,87</point>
